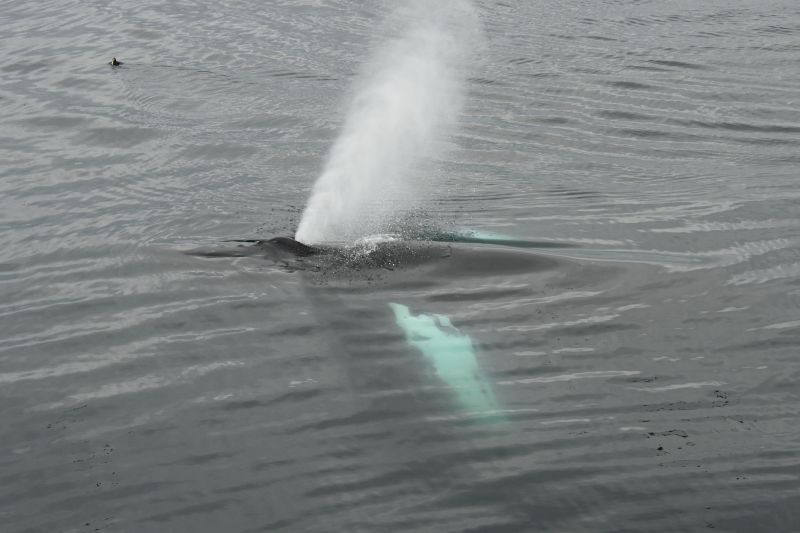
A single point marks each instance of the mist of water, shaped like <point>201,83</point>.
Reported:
<point>408,98</point>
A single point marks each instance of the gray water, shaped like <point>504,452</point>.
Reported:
<point>638,327</point>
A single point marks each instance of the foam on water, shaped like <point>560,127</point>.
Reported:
<point>409,95</point>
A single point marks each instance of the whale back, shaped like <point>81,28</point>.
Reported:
<point>288,244</point>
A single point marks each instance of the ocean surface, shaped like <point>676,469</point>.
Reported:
<point>598,332</point>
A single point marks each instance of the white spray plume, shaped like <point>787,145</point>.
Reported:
<point>408,98</point>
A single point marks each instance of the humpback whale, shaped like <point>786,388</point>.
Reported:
<point>397,265</point>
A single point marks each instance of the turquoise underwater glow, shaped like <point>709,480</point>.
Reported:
<point>483,235</point>
<point>452,355</point>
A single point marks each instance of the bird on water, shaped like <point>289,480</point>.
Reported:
<point>114,62</point>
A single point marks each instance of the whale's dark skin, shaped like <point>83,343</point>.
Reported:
<point>290,245</point>
<point>452,259</point>
<point>276,248</point>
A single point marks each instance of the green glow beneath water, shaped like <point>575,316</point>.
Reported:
<point>452,355</point>
<point>483,235</point>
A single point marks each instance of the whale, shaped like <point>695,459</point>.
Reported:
<point>331,272</point>
<point>475,253</point>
